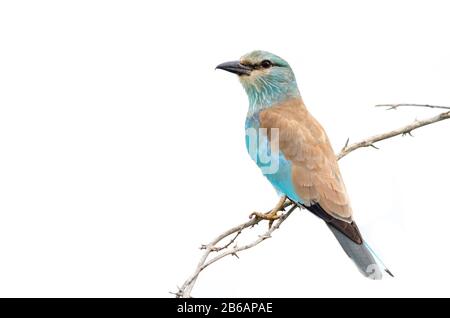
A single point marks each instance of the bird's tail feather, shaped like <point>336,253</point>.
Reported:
<point>362,255</point>
<point>380,262</point>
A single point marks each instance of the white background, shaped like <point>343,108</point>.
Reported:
<point>122,150</point>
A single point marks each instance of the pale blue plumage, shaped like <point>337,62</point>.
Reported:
<point>281,180</point>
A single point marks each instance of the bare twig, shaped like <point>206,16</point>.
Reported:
<point>395,106</point>
<point>369,142</point>
<point>218,249</point>
<point>261,238</point>
<point>186,289</point>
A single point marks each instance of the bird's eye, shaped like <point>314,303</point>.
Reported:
<point>266,63</point>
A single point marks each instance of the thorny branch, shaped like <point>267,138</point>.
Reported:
<point>232,248</point>
<point>405,130</point>
<point>395,106</point>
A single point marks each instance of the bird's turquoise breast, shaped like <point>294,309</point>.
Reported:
<point>274,166</point>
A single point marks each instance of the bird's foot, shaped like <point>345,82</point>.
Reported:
<point>270,216</point>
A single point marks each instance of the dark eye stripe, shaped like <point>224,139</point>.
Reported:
<point>258,66</point>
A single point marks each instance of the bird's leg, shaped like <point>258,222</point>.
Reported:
<point>272,215</point>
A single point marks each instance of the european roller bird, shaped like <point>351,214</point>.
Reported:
<point>294,153</point>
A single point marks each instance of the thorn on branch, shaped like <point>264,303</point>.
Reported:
<point>177,294</point>
<point>346,144</point>
<point>407,133</point>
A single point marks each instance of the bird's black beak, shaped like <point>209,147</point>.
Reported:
<point>235,67</point>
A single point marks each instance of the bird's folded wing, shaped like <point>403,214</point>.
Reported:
<point>315,171</point>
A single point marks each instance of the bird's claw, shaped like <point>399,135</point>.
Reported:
<point>273,214</point>
<point>270,216</point>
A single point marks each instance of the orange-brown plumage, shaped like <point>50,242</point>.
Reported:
<point>315,171</point>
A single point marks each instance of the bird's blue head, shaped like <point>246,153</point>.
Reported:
<point>267,79</point>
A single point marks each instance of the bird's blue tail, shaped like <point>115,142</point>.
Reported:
<point>362,255</point>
